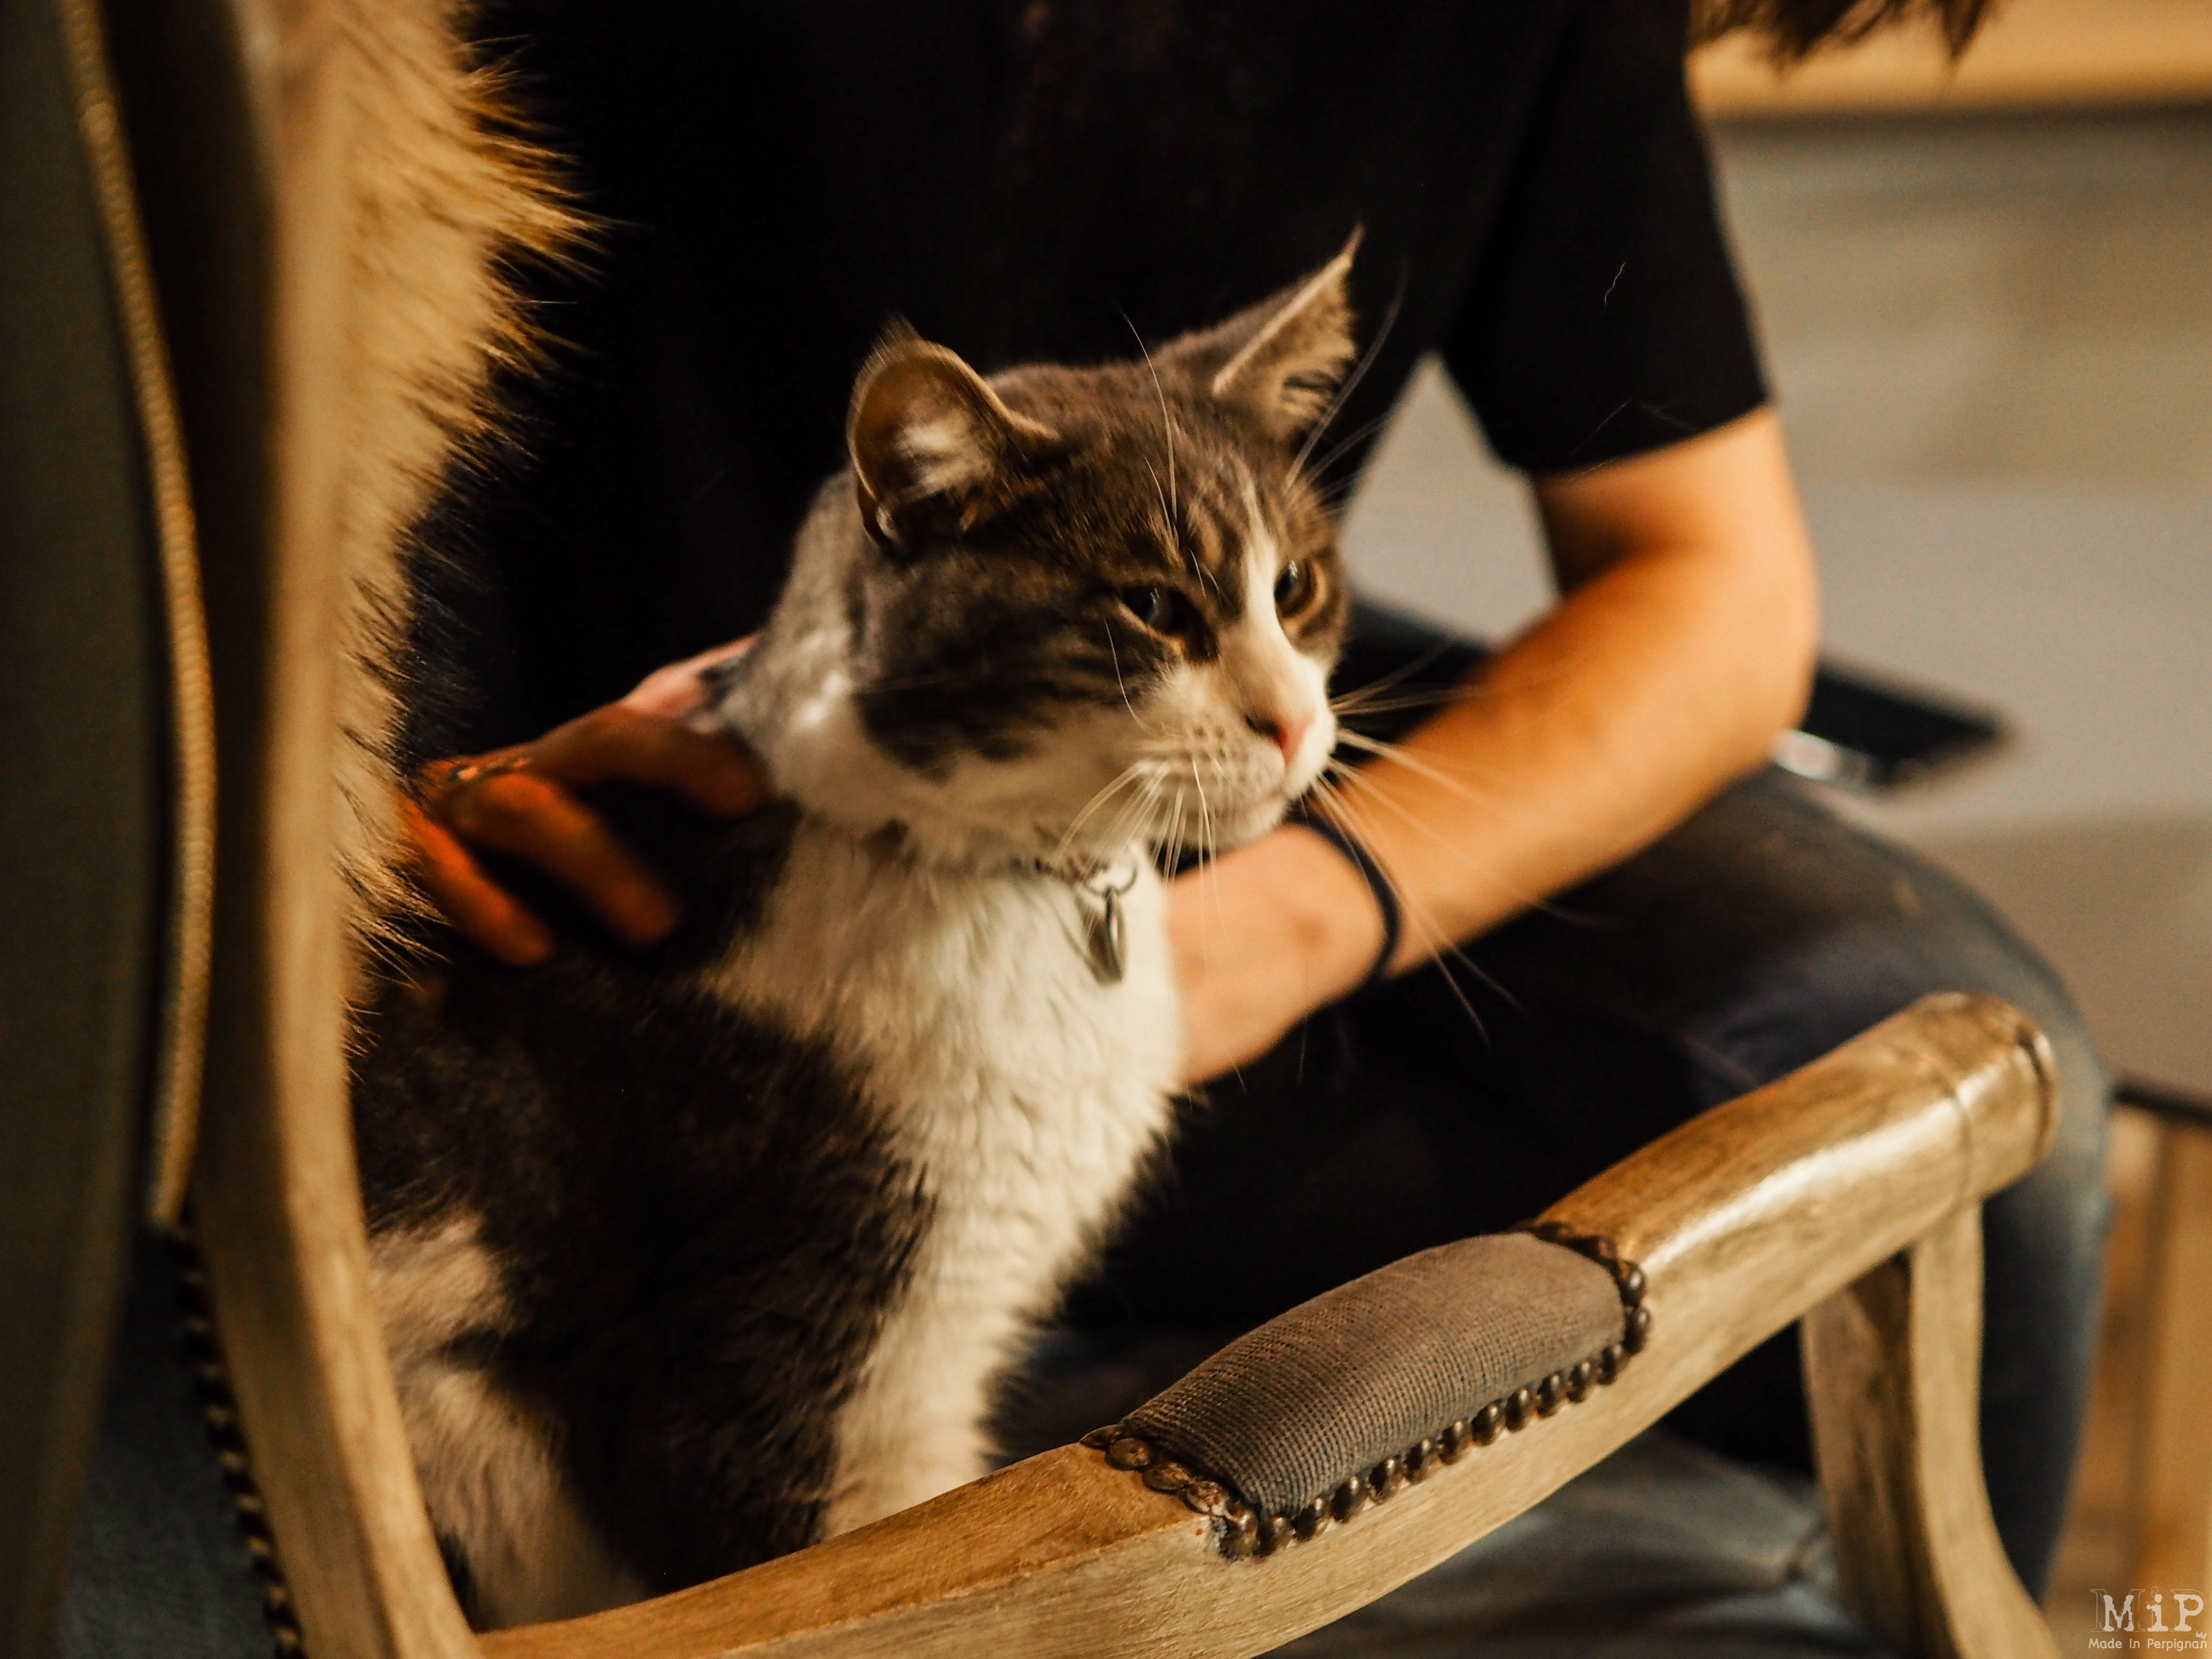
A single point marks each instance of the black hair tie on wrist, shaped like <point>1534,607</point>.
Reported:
<point>1386,898</point>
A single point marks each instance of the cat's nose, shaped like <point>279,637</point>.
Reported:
<point>1286,735</point>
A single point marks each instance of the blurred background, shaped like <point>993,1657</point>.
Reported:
<point>1986,295</point>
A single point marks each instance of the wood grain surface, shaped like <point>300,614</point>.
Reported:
<point>274,1195</point>
<point>1744,1220</point>
<point>2034,54</point>
<point>1893,1370</point>
<point>2174,1472</point>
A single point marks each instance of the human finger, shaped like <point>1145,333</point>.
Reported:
<point>714,773</point>
<point>482,912</point>
<point>530,816</point>
<point>677,690</point>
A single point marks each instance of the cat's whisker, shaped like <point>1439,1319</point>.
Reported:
<point>1167,421</point>
<point>1120,684</point>
<point>1365,700</point>
<point>1098,800</point>
<point>1148,813</point>
<point>1205,843</point>
<point>1135,809</point>
<point>1465,788</point>
<point>1335,489</point>
<point>1205,813</point>
<point>1352,382</point>
<point>1493,802</point>
<point>1441,697</point>
<point>1358,435</point>
<point>1172,842</point>
<point>1370,793</point>
<point>1440,949</point>
<point>1399,754</point>
<point>1135,812</point>
<point>1167,512</point>
<point>1397,676</point>
<point>1334,502</point>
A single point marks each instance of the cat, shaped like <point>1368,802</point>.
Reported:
<point>689,1258</point>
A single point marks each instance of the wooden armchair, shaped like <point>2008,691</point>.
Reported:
<point>1319,1462</point>
<point>1847,1193</point>
<point>2171,1472</point>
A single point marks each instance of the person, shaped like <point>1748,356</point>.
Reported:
<point>1613,916</point>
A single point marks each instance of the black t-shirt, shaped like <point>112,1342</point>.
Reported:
<point>1052,178</point>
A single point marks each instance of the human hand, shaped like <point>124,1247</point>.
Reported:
<point>680,689</point>
<point>1262,938</point>
<point>521,801</point>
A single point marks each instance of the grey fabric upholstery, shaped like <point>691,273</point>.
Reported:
<point>160,1570</point>
<point>1288,1412</point>
<point>82,816</point>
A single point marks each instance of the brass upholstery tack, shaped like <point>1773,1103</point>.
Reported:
<point>1244,1532</point>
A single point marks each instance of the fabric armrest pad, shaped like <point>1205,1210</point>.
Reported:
<point>1286,1412</point>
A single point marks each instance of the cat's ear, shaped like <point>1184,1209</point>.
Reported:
<point>1282,360</point>
<point>931,440</point>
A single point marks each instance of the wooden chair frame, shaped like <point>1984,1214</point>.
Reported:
<point>2172,1470</point>
<point>1848,1193</point>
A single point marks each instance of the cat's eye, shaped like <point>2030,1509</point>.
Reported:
<point>1294,589</point>
<point>1158,608</point>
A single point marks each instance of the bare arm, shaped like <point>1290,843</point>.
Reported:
<point>1683,645</point>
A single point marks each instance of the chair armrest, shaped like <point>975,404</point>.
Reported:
<point>1743,1220</point>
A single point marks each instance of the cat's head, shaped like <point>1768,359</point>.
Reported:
<point>1059,612</point>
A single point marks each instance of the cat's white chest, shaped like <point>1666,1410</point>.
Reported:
<point>1023,1087</point>
<point>960,995</point>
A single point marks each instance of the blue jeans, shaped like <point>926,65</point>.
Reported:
<point>1755,938</point>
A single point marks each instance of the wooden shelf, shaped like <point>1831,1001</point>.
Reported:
<point>2036,54</point>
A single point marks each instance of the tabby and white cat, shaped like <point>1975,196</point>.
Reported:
<point>689,1259</point>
